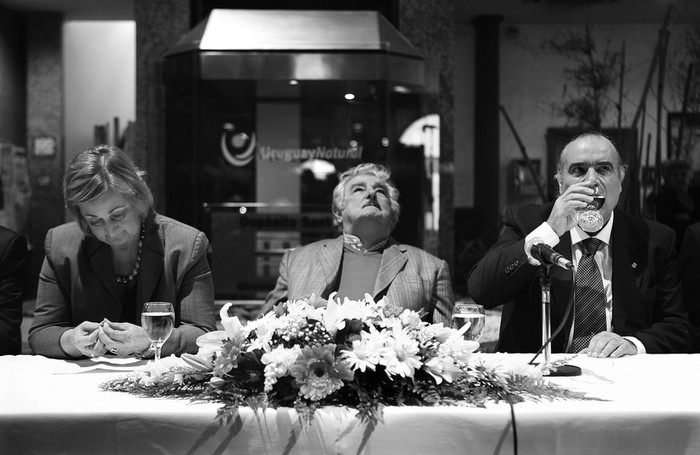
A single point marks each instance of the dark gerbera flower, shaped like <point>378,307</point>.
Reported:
<point>319,373</point>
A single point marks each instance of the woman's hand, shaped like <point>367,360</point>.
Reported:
<point>123,338</point>
<point>83,340</point>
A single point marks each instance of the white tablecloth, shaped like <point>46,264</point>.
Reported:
<point>649,404</point>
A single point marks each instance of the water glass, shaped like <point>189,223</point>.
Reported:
<point>158,319</point>
<point>469,319</point>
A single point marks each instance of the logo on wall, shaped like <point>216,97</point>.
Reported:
<point>236,146</point>
<point>354,152</point>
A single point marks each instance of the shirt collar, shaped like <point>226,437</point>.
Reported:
<point>578,234</point>
<point>354,243</point>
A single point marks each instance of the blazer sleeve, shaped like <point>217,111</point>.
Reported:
<point>196,300</point>
<point>668,329</point>
<point>52,312</point>
<point>504,271</point>
<point>12,261</point>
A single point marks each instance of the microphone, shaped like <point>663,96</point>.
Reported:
<point>547,256</point>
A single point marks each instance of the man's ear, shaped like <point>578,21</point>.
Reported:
<point>622,174</point>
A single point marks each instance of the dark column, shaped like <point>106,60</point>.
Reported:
<point>486,121</point>
<point>159,26</point>
<point>430,26</point>
<point>45,121</point>
<point>13,63</point>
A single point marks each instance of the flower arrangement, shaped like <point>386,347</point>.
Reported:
<point>361,354</point>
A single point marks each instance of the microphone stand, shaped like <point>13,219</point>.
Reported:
<point>562,370</point>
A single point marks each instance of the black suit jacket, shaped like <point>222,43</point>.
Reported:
<point>13,255</point>
<point>647,298</point>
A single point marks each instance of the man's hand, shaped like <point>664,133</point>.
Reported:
<point>563,216</point>
<point>608,344</point>
<point>123,338</point>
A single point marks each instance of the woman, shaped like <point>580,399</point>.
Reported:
<point>118,255</point>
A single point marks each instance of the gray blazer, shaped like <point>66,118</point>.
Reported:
<point>408,277</point>
<point>77,283</point>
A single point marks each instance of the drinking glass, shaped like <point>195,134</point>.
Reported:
<point>469,319</point>
<point>158,319</point>
<point>590,219</point>
<point>598,197</point>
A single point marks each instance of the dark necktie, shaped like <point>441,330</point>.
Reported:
<point>589,308</point>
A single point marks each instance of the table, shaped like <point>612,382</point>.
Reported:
<point>650,404</point>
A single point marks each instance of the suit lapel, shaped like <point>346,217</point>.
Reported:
<point>393,260</point>
<point>629,247</point>
<point>318,274</point>
<point>331,255</point>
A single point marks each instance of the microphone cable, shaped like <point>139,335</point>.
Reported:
<point>512,424</point>
<point>569,305</point>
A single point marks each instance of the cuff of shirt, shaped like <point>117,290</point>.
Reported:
<point>543,232</point>
<point>640,347</point>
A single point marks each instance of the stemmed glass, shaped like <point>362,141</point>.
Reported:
<point>590,219</point>
<point>158,319</point>
<point>469,319</point>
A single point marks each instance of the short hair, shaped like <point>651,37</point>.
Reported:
<point>621,165</point>
<point>99,170</point>
<point>376,170</point>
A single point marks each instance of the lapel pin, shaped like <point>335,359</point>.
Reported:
<point>634,265</point>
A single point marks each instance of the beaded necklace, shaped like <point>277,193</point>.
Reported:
<point>134,273</point>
